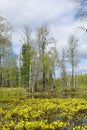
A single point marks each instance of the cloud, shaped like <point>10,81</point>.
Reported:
<point>60,15</point>
<point>36,11</point>
<point>82,52</point>
<point>82,68</point>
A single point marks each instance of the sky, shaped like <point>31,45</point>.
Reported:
<point>61,15</point>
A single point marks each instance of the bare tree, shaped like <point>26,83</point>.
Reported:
<point>62,66</point>
<point>73,59</point>
<point>43,39</point>
<point>82,8</point>
<point>5,43</point>
<point>36,69</point>
<point>54,59</point>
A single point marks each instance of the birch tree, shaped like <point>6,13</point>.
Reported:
<point>73,58</point>
<point>62,65</point>
<point>54,61</point>
<point>5,43</point>
<point>43,39</point>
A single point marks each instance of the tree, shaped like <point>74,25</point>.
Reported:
<point>11,70</point>
<point>54,59</point>
<point>5,44</point>
<point>62,65</point>
<point>73,59</point>
<point>26,58</point>
<point>43,39</point>
<point>81,12</point>
<point>35,69</point>
<point>82,8</point>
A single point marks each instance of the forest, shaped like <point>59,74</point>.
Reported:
<point>35,68</point>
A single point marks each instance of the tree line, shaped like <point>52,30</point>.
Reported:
<point>40,59</point>
<point>35,68</point>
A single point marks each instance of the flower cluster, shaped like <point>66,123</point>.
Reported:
<point>43,114</point>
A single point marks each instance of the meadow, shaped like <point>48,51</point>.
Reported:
<point>19,113</point>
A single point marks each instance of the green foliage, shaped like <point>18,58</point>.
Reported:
<point>12,93</point>
<point>82,79</point>
<point>8,60</point>
<point>27,54</point>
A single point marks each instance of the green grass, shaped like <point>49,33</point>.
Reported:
<point>21,93</point>
<point>12,93</point>
<point>84,86</point>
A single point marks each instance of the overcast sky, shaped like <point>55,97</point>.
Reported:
<point>59,14</point>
